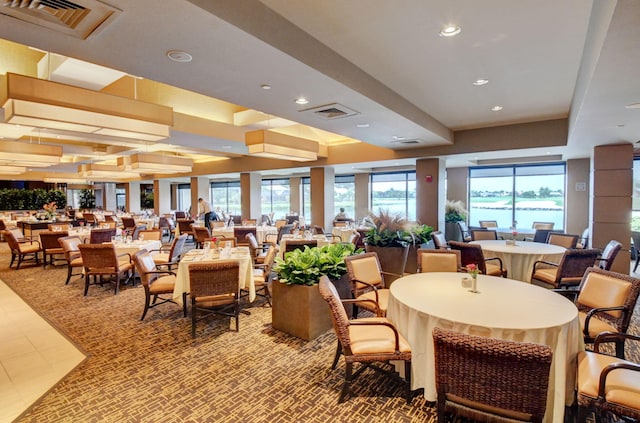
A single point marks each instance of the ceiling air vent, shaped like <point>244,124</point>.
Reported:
<point>331,111</point>
<point>79,19</point>
<point>408,142</point>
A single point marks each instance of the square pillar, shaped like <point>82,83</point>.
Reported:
<point>200,188</point>
<point>161,196</point>
<point>363,196</point>
<point>430,191</point>
<point>322,184</point>
<point>133,197</point>
<point>250,195</point>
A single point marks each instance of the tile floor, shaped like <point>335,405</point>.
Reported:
<point>34,356</point>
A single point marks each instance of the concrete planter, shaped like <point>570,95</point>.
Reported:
<point>392,260</point>
<point>452,231</point>
<point>299,310</point>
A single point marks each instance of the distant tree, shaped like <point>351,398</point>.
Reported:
<point>528,194</point>
<point>87,199</point>
<point>544,192</point>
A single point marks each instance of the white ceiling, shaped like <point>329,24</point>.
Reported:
<point>544,59</point>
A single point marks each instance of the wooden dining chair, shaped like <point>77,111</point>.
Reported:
<point>568,272</point>
<point>490,379</point>
<point>430,260</point>
<point>102,260</point>
<point>488,223</point>
<point>472,254</point>
<point>365,341</point>
<point>542,225</point>
<point>50,246</point>
<point>484,234</point>
<point>367,283</point>
<point>72,255</point>
<point>155,282</point>
<point>562,239</point>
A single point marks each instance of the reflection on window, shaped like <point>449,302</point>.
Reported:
<point>306,198</point>
<point>345,195</point>
<point>121,197</point>
<point>395,193</point>
<point>226,196</point>
<point>184,197</point>
<point>275,197</point>
<point>517,194</point>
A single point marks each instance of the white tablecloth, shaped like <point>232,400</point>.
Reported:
<point>521,233</point>
<point>518,259</point>
<point>194,256</point>
<point>261,232</point>
<point>135,246</point>
<point>343,233</point>
<point>503,309</point>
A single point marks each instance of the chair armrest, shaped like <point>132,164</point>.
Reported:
<point>594,311</point>
<point>606,337</point>
<point>495,258</point>
<point>610,368</point>
<point>571,294</point>
<point>387,324</point>
<point>161,249</point>
<point>544,262</point>
<point>356,301</point>
<point>332,236</point>
<point>159,272</point>
<point>124,254</point>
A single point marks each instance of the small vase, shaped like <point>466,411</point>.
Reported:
<point>474,284</point>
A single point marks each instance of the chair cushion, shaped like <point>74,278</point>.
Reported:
<point>493,269</point>
<point>161,258</point>
<point>376,339</point>
<point>596,325</point>
<point>163,285</point>
<point>215,300</point>
<point>29,247</point>
<point>76,262</point>
<point>383,300</point>
<point>623,386</point>
<point>438,262</point>
<point>604,291</point>
<point>546,275</point>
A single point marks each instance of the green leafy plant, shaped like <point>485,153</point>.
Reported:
<point>29,199</point>
<point>304,267</point>
<point>421,233</point>
<point>388,231</point>
<point>87,199</point>
<point>454,211</point>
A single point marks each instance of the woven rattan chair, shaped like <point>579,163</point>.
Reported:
<point>472,254</point>
<point>155,282</point>
<point>430,260</point>
<point>214,290</point>
<point>166,226</point>
<point>562,240</point>
<point>214,224</point>
<point>568,272</point>
<point>241,234</point>
<point>50,246</point>
<point>69,245</point>
<point>249,222</point>
<point>258,252</point>
<point>102,260</point>
<point>200,235</point>
<point>367,283</point>
<point>184,227</point>
<point>170,256</point>
<point>150,235</point>
<point>490,380</point>
<point>488,223</point>
<point>608,384</point>
<point>299,244</point>
<point>365,341</point>
<point>222,241</point>
<point>609,254</point>
<point>181,215</point>
<point>90,218</point>
<point>605,302</point>
<point>22,249</point>
<point>318,230</point>
<point>60,227</point>
<point>262,275</point>
<point>464,231</point>
<point>285,229</point>
<point>483,234</point>
<point>128,224</point>
<point>542,225</point>
<point>100,235</point>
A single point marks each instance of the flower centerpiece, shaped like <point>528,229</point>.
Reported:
<point>50,210</point>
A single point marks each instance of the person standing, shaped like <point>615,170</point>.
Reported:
<point>204,211</point>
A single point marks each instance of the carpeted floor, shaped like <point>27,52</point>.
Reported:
<point>153,371</point>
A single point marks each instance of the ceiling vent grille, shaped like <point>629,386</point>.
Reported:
<point>331,111</point>
<point>410,142</point>
<point>79,19</point>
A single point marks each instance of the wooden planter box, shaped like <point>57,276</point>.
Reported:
<point>392,260</point>
<point>299,310</point>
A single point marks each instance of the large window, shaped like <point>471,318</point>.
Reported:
<point>184,198</point>
<point>226,195</point>
<point>345,195</point>
<point>275,197</point>
<point>517,194</point>
<point>121,197</point>
<point>635,213</point>
<point>395,193</point>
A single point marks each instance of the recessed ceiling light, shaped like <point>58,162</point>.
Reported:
<point>302,100</point>
<point>450,31</point>
<point>633,106</point>
<point>479,82</point>
<point>179,56</point>
<point>496,108</point>
<point>265,86</point>
<point>362,125</point>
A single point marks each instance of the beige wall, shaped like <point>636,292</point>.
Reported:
<point>322,184</point>
<point>362,195</point>
<point>250,192</point>
<point>430,181</point>
<point>577,196</point>
<point>457,187</point>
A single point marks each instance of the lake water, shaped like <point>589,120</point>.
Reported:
<point>525,218</point>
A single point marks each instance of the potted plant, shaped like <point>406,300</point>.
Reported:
<point>297,307</point>
<point>421,235</point>
<point>391,240</point>
<point>454,212</point>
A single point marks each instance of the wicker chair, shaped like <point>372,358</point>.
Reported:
<point>488,223</point>
<point>605,302</point>
<point>166,226</point>
<point>367,283</point>
<point>299,244</point>
<point>258,252</point>
<point>136,231</point>
<point>241,234</point>
<point>430,260</point>
<point>155,282</point>
<point>60,227</point>
<point>170,256</point>
<point>50,245</point>
<point>214,290</point>
<point>24,250</point>
<point>439,240</point>
<point>464,231</point>
<point>472,254</point>
<point>99,235</point>
<point>249,222</point>
<point>608,384</point>
<point>262,275</point>
<point>184,227</point>
<point>70,245</point>
<point>562,240</point>
<point>609,254</point>
<point>490,380</point>
<point>150,235</point>
<point>90,218</point>
<point>542,225</point>
<point>365,341</point>
<point>128,224</point>
<point>568,272</point>
<point>285,229</point>
<point>102,260</point>
<point>483,234</point>
<point>222,241</point>
<point>200,235</point>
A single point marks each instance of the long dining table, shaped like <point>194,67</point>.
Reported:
<point>518,258</point>
<point>503,309</point>
<point>241,254</point>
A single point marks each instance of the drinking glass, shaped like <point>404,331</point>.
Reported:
<point>141,237</point>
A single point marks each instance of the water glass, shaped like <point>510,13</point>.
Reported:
<point>129,239</point>
<point>141,237</point>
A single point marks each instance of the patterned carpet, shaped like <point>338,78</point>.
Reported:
<point>153,371</point>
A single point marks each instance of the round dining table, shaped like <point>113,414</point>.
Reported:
<point>518,258</point>
<point>503,309</point>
